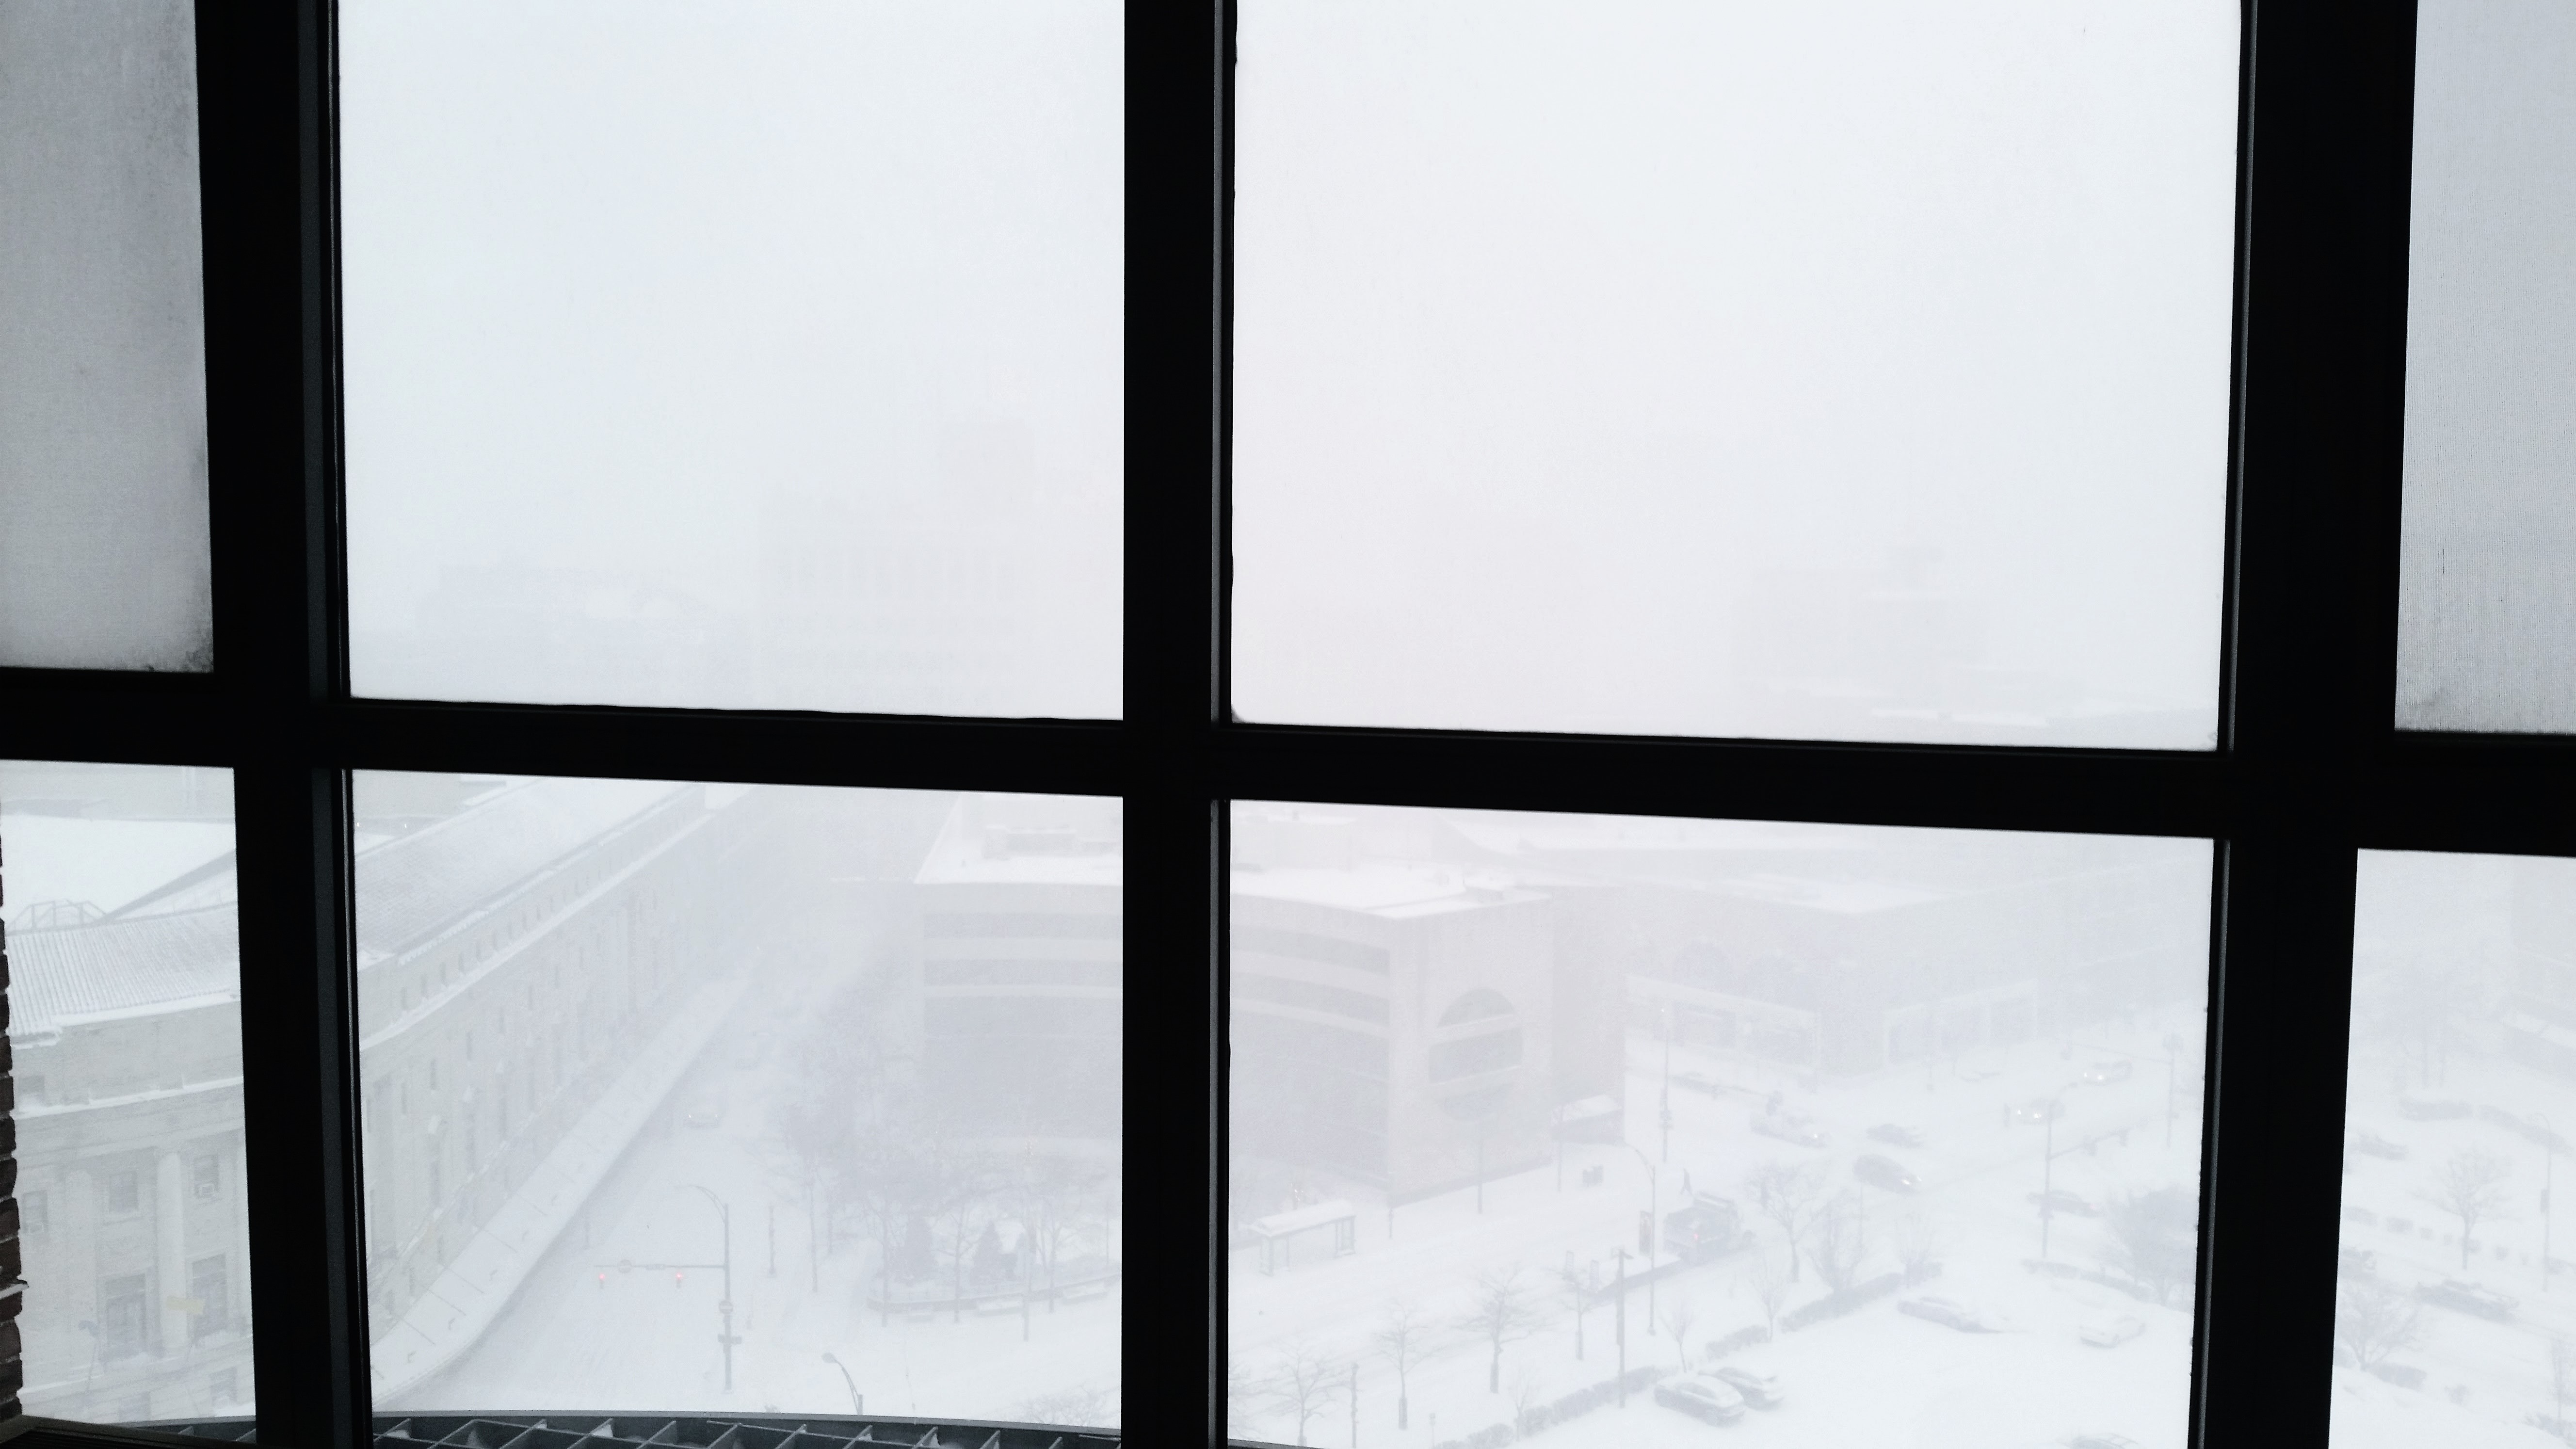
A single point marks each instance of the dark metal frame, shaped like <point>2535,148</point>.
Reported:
<point>2308,768</point>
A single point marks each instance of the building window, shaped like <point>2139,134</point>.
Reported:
<point>210,1304</point>
<point>32,1217</point>
<point>124,1194</point>
<point>224,1388</point>
<point>208,1171</point>
<point>120,1316</point>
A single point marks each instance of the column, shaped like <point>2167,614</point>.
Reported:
<point>170,1232</point>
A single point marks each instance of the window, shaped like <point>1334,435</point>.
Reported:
<point>32,1215</point>
<point>209,1176</point>
<point>1228,419</point>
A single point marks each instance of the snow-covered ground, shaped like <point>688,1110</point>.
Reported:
<point>595,1326</point>
<point>1875,1376</point>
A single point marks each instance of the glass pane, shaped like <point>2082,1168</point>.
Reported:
<point>1851,371</point>
<point>2451,1310</point>
<point>2487,615</point>
<point>1587,1124</point>
<point>103,561</point>
<point>831,1073</point>
<point>761,354</point>
<point>124,972</point>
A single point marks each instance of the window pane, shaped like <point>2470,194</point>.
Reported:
<point>2449,1306</point>
<point>124,973</point>
<point>1876,1136</point>
<point>2487,613</point>
<point>834,1073</point>
<point>103,559</point>
<point>1850,371</point>
<point>760,354</point>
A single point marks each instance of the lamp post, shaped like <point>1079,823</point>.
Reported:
<point>1622,1329</point>
<point>857,1405</point>
<point>1646,1247</point>
<point>725,1337</point>
<point>2048,1164</point>
<point>1665,1107</point>
<point>2548,1178</point>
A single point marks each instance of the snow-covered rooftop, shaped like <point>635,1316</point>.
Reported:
<point>1395,890</point>
<point>1025,840</point>
<point>116,966</point>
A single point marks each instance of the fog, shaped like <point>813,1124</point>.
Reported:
<point>1854,370</point>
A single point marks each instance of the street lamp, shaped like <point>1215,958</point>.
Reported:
<point>857,1405</point>
<point>725,1307</point>
<point>1646,1249</point>
<point>2048,1163</point>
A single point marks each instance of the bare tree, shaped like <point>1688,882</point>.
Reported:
<point>1238,1397</point>
<point>1500,1314</point>
<point>1578,1292</point>
<point>2154,1239</point>
<point>1790,1195</point>
<point>2376,1321</point>
<point>1835,1243</point>
<point>1767,1280</point>
<point>1680,1317</point>
<point>1918,1245</point>
<point>2469,1186</point>
<point>1399,1339</point>
<point>1302,1385</point>
<point>1527,1388</point>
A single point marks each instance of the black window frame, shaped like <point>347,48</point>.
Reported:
<point>2308,768</point>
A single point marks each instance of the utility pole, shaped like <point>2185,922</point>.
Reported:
<point>1666,1105</point>
<point>725,1336</point>
<point>1623,1328</point>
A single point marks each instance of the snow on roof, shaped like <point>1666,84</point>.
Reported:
<point>1842,897</point>
<point>1397,890</point>
<point>118,966</point>
<point>1514,833</point>
<point>409,888</point>
<point>1025,840</point>
<point>414,886</point>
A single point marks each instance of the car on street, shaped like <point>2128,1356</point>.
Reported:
<point>1700,1082</point>
<point>2371,1142</point>
<point>2103,1073</point>
<point>1896,1134</point>
<point>2038,1109</point>
<point>1884,1172</point>
<point>1948,1312</point>
<point>1789,1128</point>
<point>2111,1332</point>
<point>2059,1200</point>
<point>2420,1109</point>
<point>1761,1390</point>
<point>1701,1397</point>
<point>704,1112</point>
<point>2468,1297</point>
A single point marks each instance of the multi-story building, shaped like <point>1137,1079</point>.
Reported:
<point>1022,982</point>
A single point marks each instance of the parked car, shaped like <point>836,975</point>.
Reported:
<point>2059,1200</point>
<point>2420,1109</point>
<point>1761,1390</point>
<point>1700,1082</point>
<point>2101,1073</point>
<point>1947,1312</point>
<point>2468,1297</point>
<point>1896,1135</point>
<point>1884,1172</point>
<point>1789,1128</point>
<point>704,1112</point>
<point>1702,1397</point>
<point>2038,1109</point>
<point>2371,1142</point>
<point>2111,1332</point>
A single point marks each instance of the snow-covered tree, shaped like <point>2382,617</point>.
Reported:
<point>1500,1313</point>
